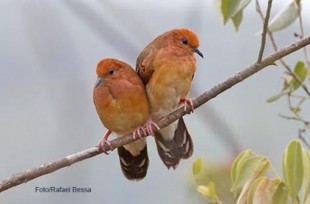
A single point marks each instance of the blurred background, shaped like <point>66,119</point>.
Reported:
<point>49,51</point>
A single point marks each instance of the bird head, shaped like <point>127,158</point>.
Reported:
<point>109,69</point>
<point>187,39</point>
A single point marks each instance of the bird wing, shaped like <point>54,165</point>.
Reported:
<point>144,64</point>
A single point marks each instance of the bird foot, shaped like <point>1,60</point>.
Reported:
<point>146,129</point>
<point>137,133</point>
<point>104,141</point>
<point>188,102</point>
<point>149,126</point>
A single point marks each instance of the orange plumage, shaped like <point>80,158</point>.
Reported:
<point>121,103</point>
<point>167,66</point>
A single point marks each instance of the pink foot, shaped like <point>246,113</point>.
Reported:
<point>137,133</point>
<point>146,129</point>
<point>149,126</point>
<point>188,102</point>
<point>104,140</point>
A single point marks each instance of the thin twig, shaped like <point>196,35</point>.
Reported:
<point>264,33</point>
<point>302,138</point>
<point>275,47</point>
<point>300,131</point>
<point>291,107</point>
<point>270,34</point>
<point>305,88</point>
<point>295,118</point>
<point>299,96</point>
<point>33,173</point>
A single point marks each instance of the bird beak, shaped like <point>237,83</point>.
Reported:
<point>99,80</point>
<point>198,52</point>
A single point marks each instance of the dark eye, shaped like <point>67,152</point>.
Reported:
<point>111,71</point>
<point>184,41</point>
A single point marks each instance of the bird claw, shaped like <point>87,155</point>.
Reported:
<point>147,129</point>
<point>137,133</point>
<point>188,102</point>
<point>149,126</point>
<point>102,148</point>
<point>104,141</point>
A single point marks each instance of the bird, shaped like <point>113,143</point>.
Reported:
<point>120,100</point>
<point>167,66</point>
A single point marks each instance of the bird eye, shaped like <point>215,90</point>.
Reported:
<point>184,41</point>
<point>111,71</point>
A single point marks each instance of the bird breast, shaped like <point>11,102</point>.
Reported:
<point>170,82</point>
<point>122,107</point>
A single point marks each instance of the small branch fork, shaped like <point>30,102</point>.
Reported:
<point>274,45</point>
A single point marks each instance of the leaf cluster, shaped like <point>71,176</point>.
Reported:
<point>233,10</point>
<point>251,184</point>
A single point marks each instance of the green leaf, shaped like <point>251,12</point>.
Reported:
<point>306,162</point>
<point>281,194</point>
<point>262,190</point>
<point>295,109</point>
<point>236,19</point>
<point>302,72</point>
<point>240,5</point>
<point>237,13</point>
<point>293,167</point>
<point>307,200</point>
<point>197,167</point>
<point>275,97</point>
<point>252,190</point>
<point>227,9</point>
<point>231,9</point>
<point>209,192</point>
<point>248,170</point>
<point>284,18</point>
<point>234,168</point>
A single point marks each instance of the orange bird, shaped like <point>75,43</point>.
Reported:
<point>167,66</point>
<point>121,103</point>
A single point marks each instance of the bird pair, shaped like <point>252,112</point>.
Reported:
<point>128,101</point>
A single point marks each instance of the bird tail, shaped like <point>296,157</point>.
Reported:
<point>133,167</point>
<point>179,147</point>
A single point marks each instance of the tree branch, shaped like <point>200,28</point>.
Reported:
<point>275,47</point>
<point>265,30</point>
<point>27,175</point>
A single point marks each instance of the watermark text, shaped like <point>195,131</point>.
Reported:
<point>61,189</point>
